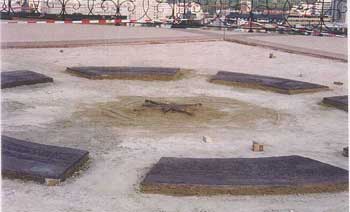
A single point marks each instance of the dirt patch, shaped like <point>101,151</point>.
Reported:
<point>214,111</point>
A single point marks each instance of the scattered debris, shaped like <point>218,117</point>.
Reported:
<point>207,139</point>
<point>271,55</point>
<point>171,107</point>
<point>338,83</point>
<point>300,75</point>
<point>346,151</point>
<point>61,50</point>
<point>256,147</point>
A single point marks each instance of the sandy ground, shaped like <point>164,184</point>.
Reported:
<point>121,156</point>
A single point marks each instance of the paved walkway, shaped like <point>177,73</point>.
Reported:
<point>291,47</point>
<point>336,45</point>
<point>66,35</point>
<point>322,47</point>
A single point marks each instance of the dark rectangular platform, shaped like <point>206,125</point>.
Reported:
<point>280,85</point>
<point>242,176</point>
<point>340,102</point>
<point>132,73</point>
<point>39,162</point>
<point>11,79</point>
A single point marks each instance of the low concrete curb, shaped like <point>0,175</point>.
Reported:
<point>84,43</point>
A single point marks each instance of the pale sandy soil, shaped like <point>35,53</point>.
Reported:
<point>121,156</point>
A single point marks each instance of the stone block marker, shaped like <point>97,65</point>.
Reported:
<point>131,73</point>
<point>340,102</point>
<point>11,79</point>
<point>207,139</point>
<point>256,147</point>
<point>243,176</point>
<point>43,163</point>
<point>280,85</point>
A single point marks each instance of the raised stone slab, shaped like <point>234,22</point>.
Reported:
<point>280,85</point>
<point>133,73</point>
<point>11,79</point>
<point>39,162</point>
<point>340,102</point>
<point>243,176</point>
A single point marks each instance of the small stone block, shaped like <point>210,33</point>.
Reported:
<point>207,139</point>
<point>280,85</point>
<point>52,182</point>
<point>346,151</point>
<point>11,79</point>
<point>43,163</point>
<point>120,72</point>
<point>256,147</point>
